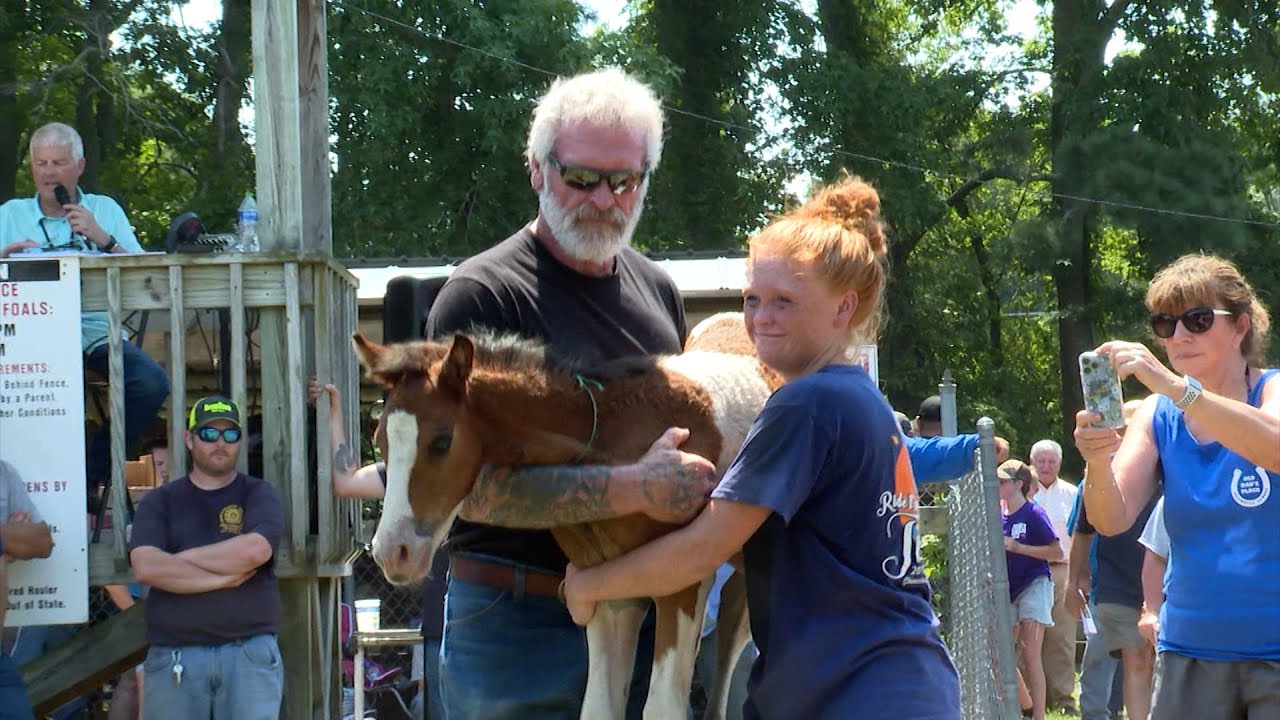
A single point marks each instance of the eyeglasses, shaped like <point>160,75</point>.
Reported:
<point>211,434</point>
<point>1196,320</point>
<point>586,179</point>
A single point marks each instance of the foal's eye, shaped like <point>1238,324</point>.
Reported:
<point>441,444</point>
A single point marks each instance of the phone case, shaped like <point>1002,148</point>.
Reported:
<point>1101,388</point>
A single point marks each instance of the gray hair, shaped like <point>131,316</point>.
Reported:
<point>608,97</point>
<point>1047,444</point>
<point>57,134</point>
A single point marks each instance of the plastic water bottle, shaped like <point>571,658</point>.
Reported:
<point>247,225</point>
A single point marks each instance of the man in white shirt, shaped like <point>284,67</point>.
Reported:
<point>1057,497</point>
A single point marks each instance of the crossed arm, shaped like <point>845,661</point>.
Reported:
<point>172,573</point>
<point>23,539</point>
<point>1051,552</point>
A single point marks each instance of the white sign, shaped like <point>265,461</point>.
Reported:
<point>42,432</point>
<point>868,356</point>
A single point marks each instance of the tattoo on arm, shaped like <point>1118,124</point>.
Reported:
<point>540,496</point>
<point>675,489</point>
<point>343,462</point>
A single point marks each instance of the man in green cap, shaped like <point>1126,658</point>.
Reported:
<point>205,543</point>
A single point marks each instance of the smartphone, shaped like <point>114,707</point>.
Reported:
<point>1101,387</point>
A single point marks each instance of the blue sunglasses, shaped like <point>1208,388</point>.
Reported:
<point>211,434</point>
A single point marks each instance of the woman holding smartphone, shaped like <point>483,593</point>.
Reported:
<point>1213,423</point>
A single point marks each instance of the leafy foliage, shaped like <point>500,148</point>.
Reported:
<point>1032,184</point>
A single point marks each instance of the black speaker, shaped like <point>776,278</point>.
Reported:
<point>404,306</point>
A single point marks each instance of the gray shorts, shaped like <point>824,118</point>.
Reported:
<point>1187,688</point>
<point>1035,603</point>
<point>1119,627</point>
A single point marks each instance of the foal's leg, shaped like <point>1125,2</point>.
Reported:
<point>732,634</point>
<point>675,647</point>
<point>611,651</point>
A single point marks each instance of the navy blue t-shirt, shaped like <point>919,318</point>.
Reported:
<point>179,516</point>
<point>838,599</point>
<point>1115,562</point>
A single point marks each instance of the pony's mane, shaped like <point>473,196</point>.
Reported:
<point>520,354</point>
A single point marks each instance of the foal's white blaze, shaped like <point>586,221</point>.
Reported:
<point>397,548</point>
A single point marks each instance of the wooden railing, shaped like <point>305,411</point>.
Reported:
<point>305,307</point>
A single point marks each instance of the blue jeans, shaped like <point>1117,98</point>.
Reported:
<point>432,708</point>
<point>511,656</point>
<point>705,667</point>
<point>146,385</point>
<point>13,696</point>
<point>1101,680</point>
<point>239,680</point>
<point>35,640</point>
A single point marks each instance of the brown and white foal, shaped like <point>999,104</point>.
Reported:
<point>453,407</point>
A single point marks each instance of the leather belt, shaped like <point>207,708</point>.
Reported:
<point>477,571</point>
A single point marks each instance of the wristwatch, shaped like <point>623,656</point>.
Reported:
<point>1193,391</point>
<point>111,244</point>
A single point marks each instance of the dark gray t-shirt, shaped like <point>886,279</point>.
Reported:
<point>518,287</point>
<point>179,516</point>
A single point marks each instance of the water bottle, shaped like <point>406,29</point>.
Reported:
<point>247,225</point>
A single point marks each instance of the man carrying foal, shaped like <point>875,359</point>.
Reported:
<point>570,279</point>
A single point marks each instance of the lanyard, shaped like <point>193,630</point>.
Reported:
<point>73,244</point>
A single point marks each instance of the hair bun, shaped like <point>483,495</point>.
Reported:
<point>853,204</point>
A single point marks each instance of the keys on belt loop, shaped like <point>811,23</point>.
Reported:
<point>177,667</point>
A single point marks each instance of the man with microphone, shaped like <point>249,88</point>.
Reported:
<point>62,217</point>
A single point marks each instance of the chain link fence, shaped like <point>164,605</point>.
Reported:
<point>965,561</point>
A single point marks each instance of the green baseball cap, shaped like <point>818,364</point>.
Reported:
<point>214,407</point>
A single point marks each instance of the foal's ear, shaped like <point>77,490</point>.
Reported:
<point>457,365</point>
<point>373,357</point>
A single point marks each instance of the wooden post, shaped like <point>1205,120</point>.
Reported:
<point>313,78</point>
<point>291,108</point>
<point>278,148</point>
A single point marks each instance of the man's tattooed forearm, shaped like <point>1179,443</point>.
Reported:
<point>674,488</point>
<point>343,461</point>
<point>540,496</point>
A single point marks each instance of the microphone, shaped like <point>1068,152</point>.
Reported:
<point>64,198</point>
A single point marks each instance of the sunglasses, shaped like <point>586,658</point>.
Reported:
<point>1196,320</point>
<point>587,179</point>
<point>211,434</point>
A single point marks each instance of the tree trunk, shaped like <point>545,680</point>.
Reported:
<point>11,120</point>
<point>1081,29</point>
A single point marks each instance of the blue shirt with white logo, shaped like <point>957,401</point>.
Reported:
<point>838,599</point>
<point>22,219</point>
<point>1222,587</point>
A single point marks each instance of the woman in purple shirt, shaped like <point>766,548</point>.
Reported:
<point>1029,546</point>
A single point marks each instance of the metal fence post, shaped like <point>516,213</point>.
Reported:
<point>1006,673</point>
<point>947,393</point>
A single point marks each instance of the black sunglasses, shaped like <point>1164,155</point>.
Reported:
<point>1196,320</point>
<point>211,434</point>
<point>586,179</point>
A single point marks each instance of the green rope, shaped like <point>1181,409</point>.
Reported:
<point>586,384</point>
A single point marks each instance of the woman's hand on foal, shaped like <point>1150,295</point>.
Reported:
<point>674,484</point>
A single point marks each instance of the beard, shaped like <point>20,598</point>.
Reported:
<point>210,464</point>
<point>589,234</point>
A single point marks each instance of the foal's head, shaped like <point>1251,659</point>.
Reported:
<point>430,444</point>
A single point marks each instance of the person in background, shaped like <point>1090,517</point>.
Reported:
<point>1105,573</point>
<point>22,536</point>
<point>92,224</point>
<point>369,481</point>
<point>1210,427</point>
<point>205,543</point>
<point>820,498</point>
<point>1057,497</point>
<point>1030,544</point>
<point>159,451</point>
<point>1155,562</point>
